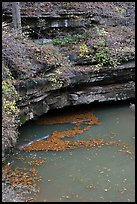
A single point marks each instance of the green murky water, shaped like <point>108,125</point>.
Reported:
<point>99,174</point>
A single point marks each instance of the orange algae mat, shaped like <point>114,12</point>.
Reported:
<point>85,117</point>
<point>55,142</point>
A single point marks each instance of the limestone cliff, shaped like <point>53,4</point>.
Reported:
<point>85,53</point>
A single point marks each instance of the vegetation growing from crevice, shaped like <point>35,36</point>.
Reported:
<point>97,51</point>
<point>100,55</point>
<point>9,111</point>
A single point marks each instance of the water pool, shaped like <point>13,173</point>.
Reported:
<point>104,173</point>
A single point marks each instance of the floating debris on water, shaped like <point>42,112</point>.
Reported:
<point>91,186</point>
<point>85,117</point>
<point>55,142</point>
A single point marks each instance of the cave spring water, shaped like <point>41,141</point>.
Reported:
<point>96,164</point>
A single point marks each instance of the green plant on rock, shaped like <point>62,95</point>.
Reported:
<point>10,112</point>
<point>101,43</point>
<point>67,40</point>
<point>105,57</point>
<point>55,80</point>
<point>9,94</point>
<point>100,55</point>
<point>83,50</point>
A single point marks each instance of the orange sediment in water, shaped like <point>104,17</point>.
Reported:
<point>78,118</point>
<point>55,142</point>
<point>21,176</point>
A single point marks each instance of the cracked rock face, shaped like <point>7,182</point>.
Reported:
<point>84,87</point>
